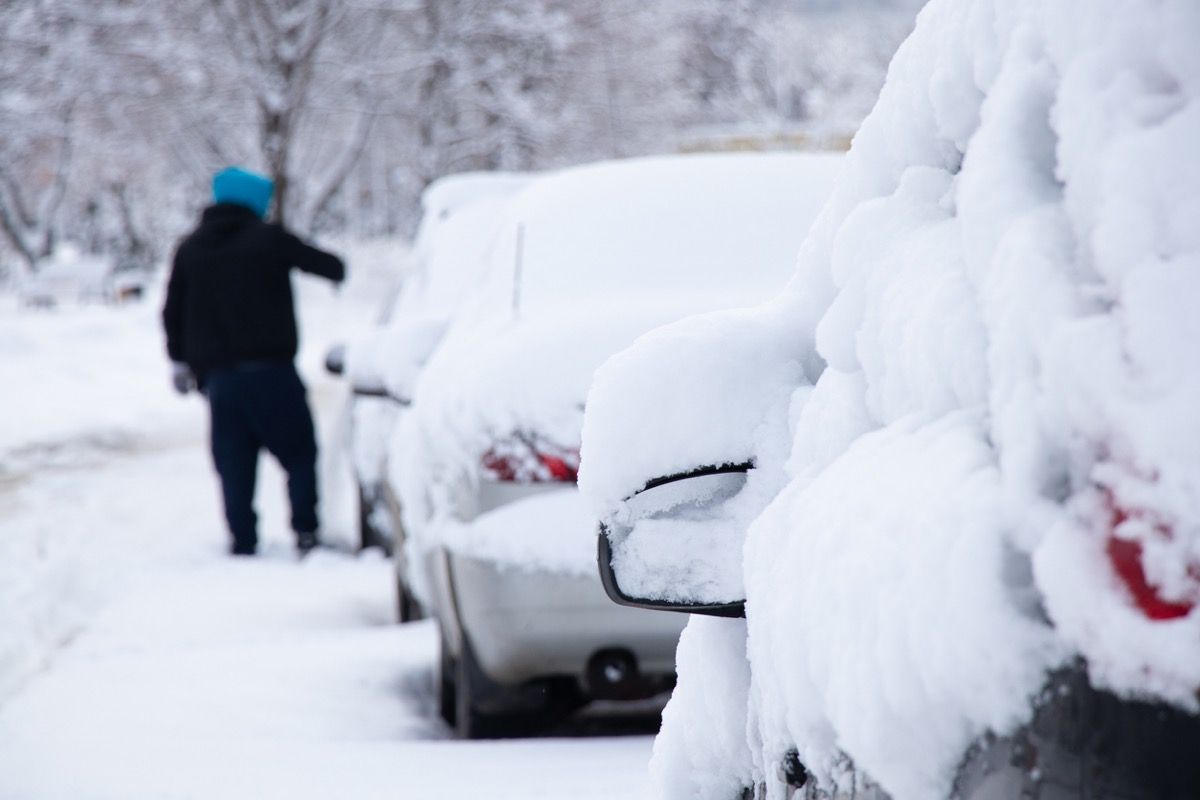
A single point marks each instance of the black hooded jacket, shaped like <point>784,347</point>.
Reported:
<point>229,299</point>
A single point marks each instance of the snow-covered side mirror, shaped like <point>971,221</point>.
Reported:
<point>671,545</point>
<point>388,361</point>
<point>361,366</point>
<point>714,390</point>
<point>335,359</point>
<point>404,351</point>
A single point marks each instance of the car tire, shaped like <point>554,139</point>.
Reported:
<point>535,706</point>
<point>447,690</point>
<point>368,534</point>
<point>469,721</point>
<point>407,607</point>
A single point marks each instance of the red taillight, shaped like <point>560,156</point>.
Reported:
<point>499,467</point>
<point>1125,555</point>
<point>529,459</point>
<point>559,469</point>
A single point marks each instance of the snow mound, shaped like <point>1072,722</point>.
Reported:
<point>550,532</point>
<point>989,334</point>
<point>1014,255</point>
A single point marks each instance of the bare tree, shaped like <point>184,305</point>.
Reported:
<point>29,203</point>
<point>277,44</point>
<point>354,106</point>
<point>36,113</point>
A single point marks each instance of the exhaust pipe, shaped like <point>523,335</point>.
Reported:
<point>613,674</point>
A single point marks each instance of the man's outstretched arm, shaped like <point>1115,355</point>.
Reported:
<point>311,259</point>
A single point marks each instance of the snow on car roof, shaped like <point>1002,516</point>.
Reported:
<point>716,224</point>
<point>449,193</point>
<point>609,251</point>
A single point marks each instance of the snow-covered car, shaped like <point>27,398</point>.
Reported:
<point>71,275</point>
<point>951,475</point>
<point>460,215</point>
<point>500,548</point>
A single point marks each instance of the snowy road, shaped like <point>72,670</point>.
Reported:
<point>207,677</point>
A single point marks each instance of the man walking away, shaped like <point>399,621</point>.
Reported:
<point>231,332</point>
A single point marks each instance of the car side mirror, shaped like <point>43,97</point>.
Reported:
<point>335,359</point>
<point>673,546</point>
<point>335,364</point>
<point>403,351</point>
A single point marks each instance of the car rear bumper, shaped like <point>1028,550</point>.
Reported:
<point>1085,742</point>
<point>525,624</point>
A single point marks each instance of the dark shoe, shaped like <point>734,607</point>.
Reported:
<point>242,549</point>
<point>306,542</point>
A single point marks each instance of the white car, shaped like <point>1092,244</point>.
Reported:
<point>500,548</point>
<point>461,215</point>
<point>950,476</point>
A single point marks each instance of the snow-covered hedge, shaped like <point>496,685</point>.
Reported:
<point>997,309</point>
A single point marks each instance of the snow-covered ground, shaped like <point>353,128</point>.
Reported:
<point>210,678</point>
<point>137,660</point>
<point>86,398</point>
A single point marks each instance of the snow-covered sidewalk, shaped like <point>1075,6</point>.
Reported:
<point>209,677</point>
<point>138,661</point>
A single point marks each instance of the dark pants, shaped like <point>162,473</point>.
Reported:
<point>255,406</point>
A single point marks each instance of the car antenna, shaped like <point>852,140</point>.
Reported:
<point>520,255</point>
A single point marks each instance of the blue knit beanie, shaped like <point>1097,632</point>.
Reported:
<point>245,188</point>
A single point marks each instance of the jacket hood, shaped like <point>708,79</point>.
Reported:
<point>226,217</point>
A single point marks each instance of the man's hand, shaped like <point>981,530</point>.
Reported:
<point>182,378</point>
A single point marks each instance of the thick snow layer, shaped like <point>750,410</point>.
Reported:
<point>898,614</point>
<point>709,689</point>
<point>550,532</point>
<point>999,293</point>
<point>664,227</point>
<point>721,373</point>
<point>588,259</point>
